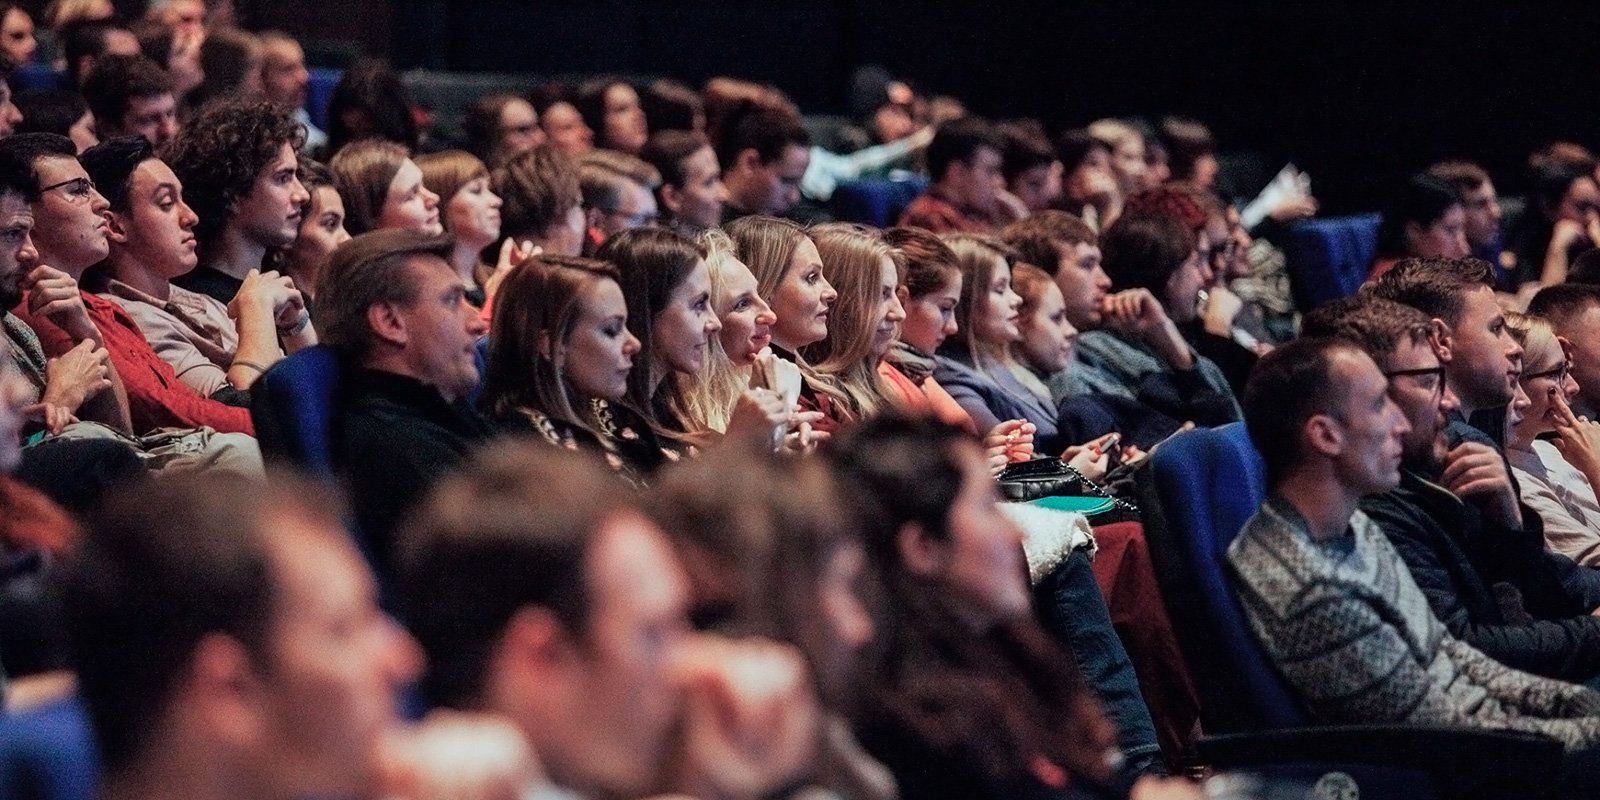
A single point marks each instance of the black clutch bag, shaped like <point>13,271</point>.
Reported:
<point>1035,479</point>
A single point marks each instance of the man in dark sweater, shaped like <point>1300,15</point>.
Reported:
<point>1454,518</point>
<point>392,306</point>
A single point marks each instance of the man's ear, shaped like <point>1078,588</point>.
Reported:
<point>748,160</point>
<point>532,642</point>
<point>220,691</point>
<point>1566,347</point>
<point>1324,434</point>
<point>921,553</point>
<point>116,228</point>
<point>388,324</point>
<point>671,198</point>
<point>1439,337</point>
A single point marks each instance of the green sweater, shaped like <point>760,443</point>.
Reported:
<point>1346,624</point>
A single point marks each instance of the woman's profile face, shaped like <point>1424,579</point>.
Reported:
<point>995,317</point>
<point>682,331</point>
<point>474,213</point>
<point>598,355</point>
<point>746,318</point>
<point>321,230</point>
<point>889,311</point>
<point>625,122</point>
<point>408,204</point>
<point>1047,335</point>
<point>802,300</point>
<point>931,318</point>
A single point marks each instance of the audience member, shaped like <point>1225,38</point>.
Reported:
<point>218,349</point>
<point>671,105</point>
<point>187,17</point>
<point>1453,514</point>
<point>499,126</point>
<point>1031,169</point>
<point>1328,597</point>
<point>321,230</point>
<point>17,42</point>
<point>471,213</point>
<point>1089,187</point>
<point>619,193</point>
<point>862,322</point>
<point>229,644</point>
<point>563,126</point>
<point>1191,150</point>
<point>383,189</point>
<point>10,114</point>
<point>1485,239</point>
<point>1562,219</point>
<point>1574,311</point>
<point>237,162</point>
<point>764,156</point>
<point>1126,146</point>
<point>284,80</point>
<point>930,292</point>
<point>370,102</point>
<point>1422,218</point>
<point>691,194</point>
<point>59,111</point>
<point>231,61</point>
<point>543,204</point>
<point>85,42</point>
<point>964,161</point>
<point>1553,476</point>
<point>176,52</point>
<point>391,305</point>
<point>70,234</point>
<point>571,621</point>
<point>131,96</point>
<point>610,107</point>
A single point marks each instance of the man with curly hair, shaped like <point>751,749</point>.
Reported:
<point>237,162</point>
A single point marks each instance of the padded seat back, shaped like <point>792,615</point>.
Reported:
<point>1202,488</point>
<point>1329,258</point>
<point>48,753</point>
<point>293,406</point>
<point>875,201</point>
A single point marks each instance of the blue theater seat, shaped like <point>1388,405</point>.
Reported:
<point>1200,489</point>
<point>48,753</point>
<point>875,201</point>
<point>319,90</point>
<point>1329,258</point>
<point>292,406</point>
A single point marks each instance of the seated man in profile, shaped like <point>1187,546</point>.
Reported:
<point>1328,597</point>
<point>230,647</point>
<point>964,162</point>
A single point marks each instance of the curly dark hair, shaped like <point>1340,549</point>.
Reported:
<point>222,151</point>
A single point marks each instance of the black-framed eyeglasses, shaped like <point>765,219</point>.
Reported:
<point>78,189</point>
<point>1421,372</point>
<point>1560,373</point>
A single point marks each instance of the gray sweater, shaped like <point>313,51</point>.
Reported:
<point>1346,624</point>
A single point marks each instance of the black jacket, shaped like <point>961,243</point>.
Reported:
<point>1457,557</point>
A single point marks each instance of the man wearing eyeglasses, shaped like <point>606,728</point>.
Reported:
<point>618,194</point>
<point>1457,548</point>
<point>70,236</point>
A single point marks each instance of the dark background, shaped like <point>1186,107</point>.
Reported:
<point>1356,95</point>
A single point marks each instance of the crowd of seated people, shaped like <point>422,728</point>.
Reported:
<point>615,466</point>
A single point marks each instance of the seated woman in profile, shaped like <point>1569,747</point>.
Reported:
<point>738,362</point>
<point>862,268</point>
<point>964,694</point>
<point>790,281</point>
<point>667,286</point>
<point>321,229</point>
<point>771,551</point>
<point>1423,218</point>
<point>382,188</point>
<point>560,354</point>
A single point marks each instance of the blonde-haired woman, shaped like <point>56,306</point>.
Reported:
<point>789,278</point>
<point>1556,478</point>
<point>861,325</point>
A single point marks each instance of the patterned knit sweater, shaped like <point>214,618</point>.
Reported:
<point>1346,624</point>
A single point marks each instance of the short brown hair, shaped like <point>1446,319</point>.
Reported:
<point>1436,286</point>
<point>371,268</point>
<point>603,174</point>
<point>1379,327</point>
<point>362,171</point>
<point>539,187</point>
<point>1043,238</point>
<point>1465,176</point>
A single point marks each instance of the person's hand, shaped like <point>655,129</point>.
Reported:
<point>1578,438</point>
<point>751,720</point>
<point>1092,458</point>
<point>1473,470</point>
<point>1294,208</point>
<point>54,295</point>
<point>79,374</point>
<point>760,415</point>
<point>1009,441</point>
<point>1221,307</point>
<point>800,438</point>
<point>512,255</point>
<point>1138,313</point>
<point>255,293</point>
<point>55,418</point>
<point>1151,787</point>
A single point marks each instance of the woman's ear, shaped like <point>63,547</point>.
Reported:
<point>922,554</point>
